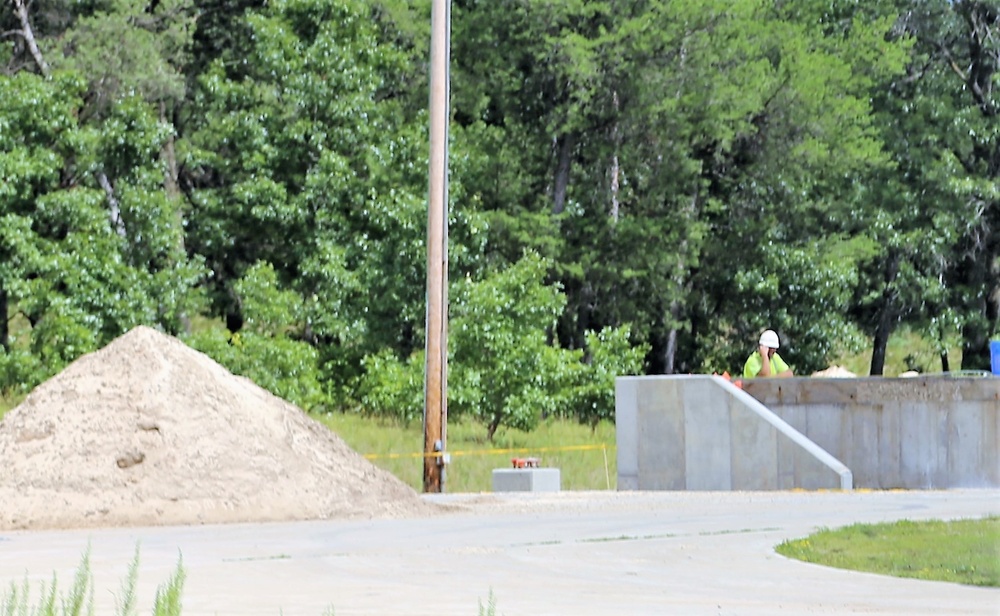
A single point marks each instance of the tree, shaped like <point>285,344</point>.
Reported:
<point>610,353</point>
<point>73,278</point>
<point>938,215</point>
<point>732,130</point>
<point>91,241</point>
<point>504,372</point>
<point>301,155</point>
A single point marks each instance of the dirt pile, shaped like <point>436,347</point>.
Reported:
<point>148,431</point>
<point>835,372</point>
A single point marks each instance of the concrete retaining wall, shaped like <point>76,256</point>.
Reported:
<point>702,433</point>
<point>923,432</point>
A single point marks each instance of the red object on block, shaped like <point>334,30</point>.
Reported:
<point>524,462</point>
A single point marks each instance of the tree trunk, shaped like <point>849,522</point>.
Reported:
<point>492,428</point>
<point>887,315</point>
<point>882,332</point>
<point>114,210</point>
<point>169,157</point>
<point>615,168</point>
<point>4,328</point>
<point>976,334</point>
<point>171,185</point>
<point>670,352</point>
<point>680,272</point>
<point>565,152</point>
<point>29,37</point>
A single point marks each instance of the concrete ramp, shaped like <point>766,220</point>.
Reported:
<point>703,433</point>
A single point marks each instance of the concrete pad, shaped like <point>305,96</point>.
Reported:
<point>581,553</point>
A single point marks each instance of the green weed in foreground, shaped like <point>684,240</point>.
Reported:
<point>490,609</point>
<point>79,600</point>
<point>961,551</point>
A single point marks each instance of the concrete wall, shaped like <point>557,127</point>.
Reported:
<point>702,433</point>
<point>923,432</point>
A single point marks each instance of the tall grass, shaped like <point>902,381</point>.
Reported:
<point>490,609</point>
<point>78,600</point>
<point>585,458</point>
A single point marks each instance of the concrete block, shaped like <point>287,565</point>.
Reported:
<point>661,440</point>
<point>787,451</point>
<point>526,480</point>
<point>861,454</point>
<point>990,459</point>
<point>918,447</point>
<point>965,455</point>
<point>708,436</point>
<point>826,425</point>
<point>754,451</point>
<point>627,432</point>
<point>890,474</point>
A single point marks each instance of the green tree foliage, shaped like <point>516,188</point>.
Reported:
<point>300,158</point>
<point>72,270</point>
<point>710,134</point>
<point>391,388</point>
<point>269,349</point>
<point>611,353</point>
<point>779,251</point>
<point>503,370</point>
<point>682,173</point>
<point>938,221</point>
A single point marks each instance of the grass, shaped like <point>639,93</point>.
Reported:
<point>490,609</point>
<point>585,458</point>
<point>960,551</point>
<point>906,350</point>
<point>78,600</point>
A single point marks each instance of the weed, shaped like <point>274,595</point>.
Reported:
<point>490,609</point>
<point>79,601</point>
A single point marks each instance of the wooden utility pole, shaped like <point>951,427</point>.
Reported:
<point>436,356</point>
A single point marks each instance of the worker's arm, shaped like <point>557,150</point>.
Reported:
<point>779,367</point>
<point>765,361</point>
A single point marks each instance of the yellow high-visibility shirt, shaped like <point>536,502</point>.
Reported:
<point>754,363</point>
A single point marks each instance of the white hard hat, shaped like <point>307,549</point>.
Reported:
<point>769,339</point>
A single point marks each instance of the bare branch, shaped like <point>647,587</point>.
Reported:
<point>29,37</point>
<point>109,191</point>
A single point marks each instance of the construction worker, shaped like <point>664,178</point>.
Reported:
<point>765,361</point>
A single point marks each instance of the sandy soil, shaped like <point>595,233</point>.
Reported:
<point>148,431</point>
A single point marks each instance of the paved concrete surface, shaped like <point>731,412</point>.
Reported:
<point>579,553</point>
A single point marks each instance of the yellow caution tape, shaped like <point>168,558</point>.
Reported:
<point>485,452</point>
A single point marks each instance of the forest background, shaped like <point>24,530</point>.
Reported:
<point>635,187</point>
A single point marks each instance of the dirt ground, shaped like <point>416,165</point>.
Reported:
<point>148,431</point>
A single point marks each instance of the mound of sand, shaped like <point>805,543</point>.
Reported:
<point>835,372</point>
<point>148,431</point>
